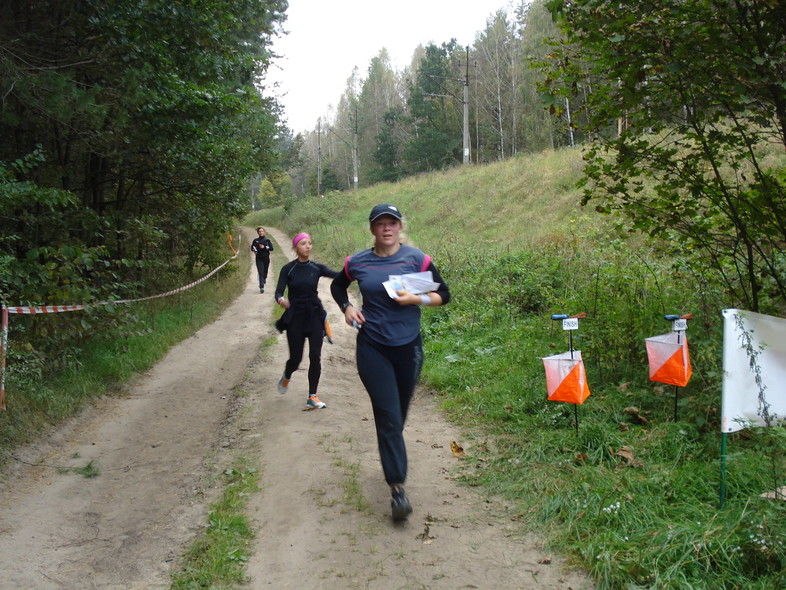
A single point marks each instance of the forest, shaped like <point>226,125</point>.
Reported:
<point>389,124</point>
<point>681,107</point>
<point>128,132</point>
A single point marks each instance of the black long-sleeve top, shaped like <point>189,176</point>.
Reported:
<point>300,280</point>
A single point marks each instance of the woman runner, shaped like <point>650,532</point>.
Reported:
<point>389,351</point>
<point>304,317</point>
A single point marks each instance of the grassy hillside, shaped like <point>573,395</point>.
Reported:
<point>628,482</point>
<point>506,205</point>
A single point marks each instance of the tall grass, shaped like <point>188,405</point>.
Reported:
<point>631,493</point>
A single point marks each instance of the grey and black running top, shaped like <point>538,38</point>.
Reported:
<point>387,322</point>
<point>300,279</point>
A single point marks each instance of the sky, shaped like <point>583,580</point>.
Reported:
<point>328,38</point>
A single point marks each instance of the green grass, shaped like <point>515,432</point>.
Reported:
<point>217,559</point>
<point>507,204</point>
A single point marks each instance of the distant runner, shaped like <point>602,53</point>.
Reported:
<point>262,246</point>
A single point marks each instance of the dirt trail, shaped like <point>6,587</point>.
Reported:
<point>322,514</point>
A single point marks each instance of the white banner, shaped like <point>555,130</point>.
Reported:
<point>754,345</point>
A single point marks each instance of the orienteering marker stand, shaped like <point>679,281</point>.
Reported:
<point>668,356</point>
<point>566,379</point>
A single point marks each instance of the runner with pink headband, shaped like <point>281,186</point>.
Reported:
<point>300,236</point>
<point>304,318</point>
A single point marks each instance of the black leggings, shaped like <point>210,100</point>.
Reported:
<point>262,265</point>
<point>296,338</point>
<point>389,374</point>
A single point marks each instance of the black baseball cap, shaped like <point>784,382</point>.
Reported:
<point>384,209</point>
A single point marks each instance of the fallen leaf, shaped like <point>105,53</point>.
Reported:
<point>425,536</point>
<point>627,454</point>
<point>457,449</point>
<point>634,412</point>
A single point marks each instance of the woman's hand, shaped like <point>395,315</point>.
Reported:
<point>284,303</point>
<point>407,298</point>
<point>354,317</point>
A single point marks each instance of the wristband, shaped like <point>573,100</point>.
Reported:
<point>344,306</point>
<point>425,299</point>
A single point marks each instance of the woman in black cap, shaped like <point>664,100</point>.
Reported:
<point>389,344</point>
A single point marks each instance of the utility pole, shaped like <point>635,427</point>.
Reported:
<point>355,153</point>
<point>467,158</point>
<point>319,157</point>
<point>465,103</point>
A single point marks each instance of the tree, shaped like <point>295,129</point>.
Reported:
<point>267,195</point>
<point>497,56</point>
<point>536,129</point>
<point>388,152</point>
<point>686,102</point>
<point>434,105</point>
<point>378,96</point>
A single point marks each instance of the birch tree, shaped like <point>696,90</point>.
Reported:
<point>497,68</point>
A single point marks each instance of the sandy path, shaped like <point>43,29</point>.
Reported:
<point>322,514</point>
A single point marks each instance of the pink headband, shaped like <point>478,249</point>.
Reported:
<point>302,236</point>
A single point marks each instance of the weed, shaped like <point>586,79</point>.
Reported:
<point>218,556</point>
<point>89,471</point>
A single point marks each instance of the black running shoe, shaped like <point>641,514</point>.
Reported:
<point>399,505</point>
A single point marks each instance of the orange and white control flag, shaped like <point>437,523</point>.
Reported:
<point>669,359</point>
<point>566,379</point>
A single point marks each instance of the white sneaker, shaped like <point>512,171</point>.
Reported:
<point>313,403</point>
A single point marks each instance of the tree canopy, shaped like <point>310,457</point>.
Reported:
<point>411,120</point>
<point>128,130</point>
<point>685,103</point>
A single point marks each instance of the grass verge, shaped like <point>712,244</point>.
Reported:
<point>217,558</point>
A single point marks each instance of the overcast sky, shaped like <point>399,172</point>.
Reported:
<point>328,38</point>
